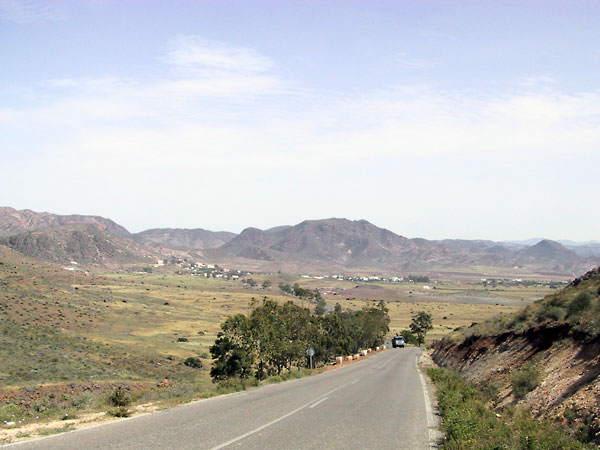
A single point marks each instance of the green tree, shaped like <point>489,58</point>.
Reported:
<point>232,351</point>
<point>321,307</point>
<point>420,325</point>
<point>267,284</point>
<point>285,288</point>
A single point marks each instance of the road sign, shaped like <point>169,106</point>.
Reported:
<point>310,352</point>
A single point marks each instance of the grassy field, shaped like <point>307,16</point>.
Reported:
<point>68,338</point>
<point>451,304</point>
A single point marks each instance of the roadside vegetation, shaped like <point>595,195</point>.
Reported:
<point>69,339</point>
<point>577,306</point>
<point>273,339</point>
<point>419,326</point>
<point>470,422</point>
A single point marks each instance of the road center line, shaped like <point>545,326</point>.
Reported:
<point>279,419</point>
<point>318,402</point>
<point>389,360</point>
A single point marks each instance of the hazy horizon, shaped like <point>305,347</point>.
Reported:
<point>454,120</point>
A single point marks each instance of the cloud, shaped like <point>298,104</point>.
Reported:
<point>405,61</point>
<point>194,54</point>
<point>539,80</point>
<point>237,129</point>
<point>28,11</point>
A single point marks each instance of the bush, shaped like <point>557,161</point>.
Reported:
<point>470,423</point>
<point>121,411</point>
<point>525,381</point>
<point>409,337</point>
<point>119,397</point>
<point>579,304</point>
<point>550,313</point>
<point>194,362</point>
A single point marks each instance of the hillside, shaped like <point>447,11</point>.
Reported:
<point>549,254</point>
<point>13,221</point>
<point>83,243</point>
<point>326,245</point>
<point>183,238</point>
<point>545,357</point>
<point>344,244</point>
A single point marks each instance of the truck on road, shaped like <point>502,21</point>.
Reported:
<point>398,342</point>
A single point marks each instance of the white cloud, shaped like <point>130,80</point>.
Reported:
<point>194,54</point>
<point>406,61</point>
<point>238,129</point>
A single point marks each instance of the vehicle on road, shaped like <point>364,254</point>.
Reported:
<point>398,342</point>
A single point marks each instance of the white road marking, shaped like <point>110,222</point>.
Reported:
<point>389,360</point>
<point>430,420</point>
<point>320,401</point>
<point>355,381</point>
<point>279,419</point>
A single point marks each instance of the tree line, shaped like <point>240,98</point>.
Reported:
<point>274,338</point>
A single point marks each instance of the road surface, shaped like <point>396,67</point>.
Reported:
<point>378,403</point>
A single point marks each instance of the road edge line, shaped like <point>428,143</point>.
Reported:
<point>431,422</point>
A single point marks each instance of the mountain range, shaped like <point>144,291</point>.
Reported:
<point>325,245</point>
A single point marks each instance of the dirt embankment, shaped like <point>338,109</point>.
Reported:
<point>568,388</point>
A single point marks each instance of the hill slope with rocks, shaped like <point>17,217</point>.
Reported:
<point>326,245</point>
<point>13,221</point>
<point>545,357</point>
<point>183,238</point>
<point>341,243</point>
<point>83,243</point>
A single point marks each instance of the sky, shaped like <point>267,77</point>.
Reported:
<point>433,119</point>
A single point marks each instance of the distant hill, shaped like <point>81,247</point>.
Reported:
<point>587,250</point>
<point>342,243</point>
<point>339,242</point>
<point>584,249</point>
<point>312,245</point>
<point>13,221</point>
<point>83,243</point>
<point>547,252</point>
<point>183,238</point>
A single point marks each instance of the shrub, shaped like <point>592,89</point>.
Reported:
<point>469,423</point>
<point>182,339</point>
<point>194,362</point>
<point>119,397</point>
<point>525,381</point>
<point>121,411</point>
<point>550,313</point>
<point>409,337</point>
<point>579,304</point>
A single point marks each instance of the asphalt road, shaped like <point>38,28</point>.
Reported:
<point>377,403</point>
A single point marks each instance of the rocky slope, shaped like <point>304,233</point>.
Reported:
<point>83,243</point>
<point>555,343</point>
<point>13,221</point>
<point>183,238</point>
<point>341,243</point>
<point>327,245</point>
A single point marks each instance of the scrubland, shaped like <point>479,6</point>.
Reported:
<point>69,339</point>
